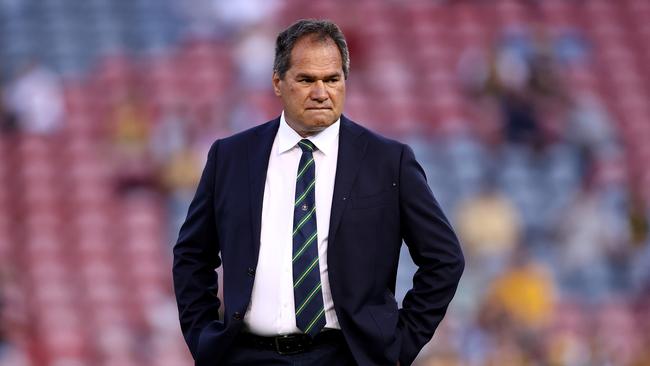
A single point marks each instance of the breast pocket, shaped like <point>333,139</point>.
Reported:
<point>380,199</point>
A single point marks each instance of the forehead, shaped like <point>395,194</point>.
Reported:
<point>313,55</point>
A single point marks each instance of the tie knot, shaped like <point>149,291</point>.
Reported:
<point>306,145</point>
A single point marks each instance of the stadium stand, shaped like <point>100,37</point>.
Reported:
<point>86,206</point>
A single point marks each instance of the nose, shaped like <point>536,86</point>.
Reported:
<point>318,91</point>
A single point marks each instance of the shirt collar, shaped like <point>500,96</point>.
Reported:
<point>325,140</point>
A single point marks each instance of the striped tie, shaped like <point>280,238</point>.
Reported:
<point>310,313</point>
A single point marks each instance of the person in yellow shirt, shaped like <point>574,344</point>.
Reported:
<point>524,293</point>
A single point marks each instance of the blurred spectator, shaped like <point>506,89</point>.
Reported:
<point>489,228</point>
<point>182,172</point>
<point>253,54</point>
<point>35,97</point>
<point>180,176</point>
<point>488,225</point>
<point>512,317</point>
<point>521,77</point>
<point>589,127</point>
<point>177,161</point>
<point>522,296</point>
<point>510,84</point>
<point>131,129</point>
<point>588,237</point>
<point>171,133</point>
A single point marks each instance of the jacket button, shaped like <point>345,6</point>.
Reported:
<point>236,315</point>
<point>251,271</point>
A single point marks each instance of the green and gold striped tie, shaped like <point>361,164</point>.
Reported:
<point>308,296</point>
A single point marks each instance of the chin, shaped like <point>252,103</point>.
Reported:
<point>324,123</point>
<point>325,119</point>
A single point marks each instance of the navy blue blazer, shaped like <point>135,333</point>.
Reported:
<point>380,198</point>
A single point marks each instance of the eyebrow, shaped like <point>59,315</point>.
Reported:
<point>310,76</point>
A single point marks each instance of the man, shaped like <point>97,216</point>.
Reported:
<point>307,214</point>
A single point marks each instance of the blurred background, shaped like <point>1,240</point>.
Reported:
<point>529,117</point>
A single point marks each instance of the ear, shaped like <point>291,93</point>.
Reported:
<point>276,84</point>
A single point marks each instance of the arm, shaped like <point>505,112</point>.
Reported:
<point>196,258</point>
<point>436,251</point>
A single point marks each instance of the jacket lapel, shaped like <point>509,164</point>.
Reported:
<point>351,151</point>
<point>259,150</point>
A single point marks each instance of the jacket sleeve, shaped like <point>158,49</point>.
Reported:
<point>196,258</point>
<point>436,252</point>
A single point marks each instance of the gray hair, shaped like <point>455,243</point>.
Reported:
<point>321,29</point>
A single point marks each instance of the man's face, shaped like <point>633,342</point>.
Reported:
<point>313,89</point>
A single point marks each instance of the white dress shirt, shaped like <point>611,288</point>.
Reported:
<point>271,310</point>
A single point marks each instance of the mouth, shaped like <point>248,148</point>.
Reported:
<point>319,109</point>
